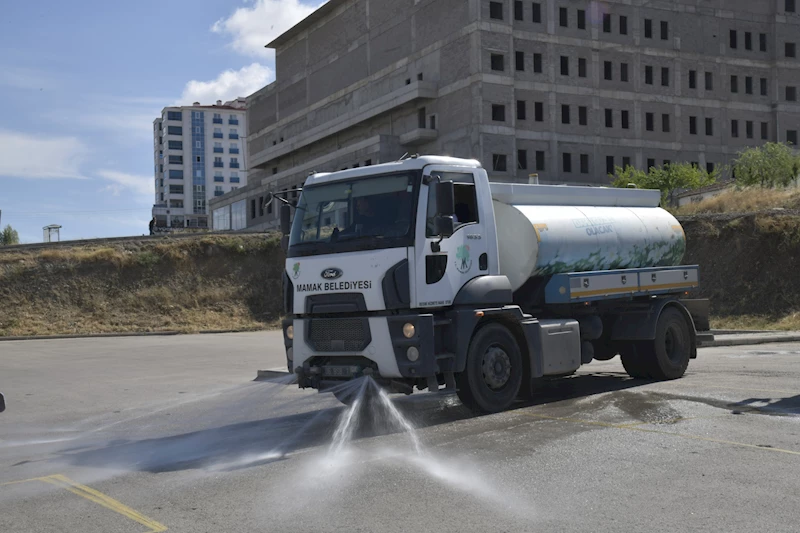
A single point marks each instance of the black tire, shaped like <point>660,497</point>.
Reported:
<point>665,357</point>
<point>668,354</point>
<point>604,351</point>
<point>492,377</point>
<point>634,363</point>
<point>604,348</point>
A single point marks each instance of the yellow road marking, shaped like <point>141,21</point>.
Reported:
<point>63,482</point>
<point>644,430</point>
<point>22,481</point>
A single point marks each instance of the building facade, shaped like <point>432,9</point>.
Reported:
<point>199,153</point>
<point>567,89</point>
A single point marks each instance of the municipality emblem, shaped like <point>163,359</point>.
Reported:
<point>463,260</point>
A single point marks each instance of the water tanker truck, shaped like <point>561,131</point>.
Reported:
<point>424,275</point>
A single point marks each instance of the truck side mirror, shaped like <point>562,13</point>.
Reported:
<point>286,219</point>
<point>445,226</point>
<point>445,199</point>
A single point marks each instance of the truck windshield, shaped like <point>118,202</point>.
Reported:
<point>375,208</point>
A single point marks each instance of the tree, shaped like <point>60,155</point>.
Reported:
<point>669,179</point>
<point>9,236</point>
<point>770,165</point>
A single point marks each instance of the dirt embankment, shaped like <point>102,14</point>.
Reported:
<point>750,268</point>
<point>750,264</point>
<point>203,283</point>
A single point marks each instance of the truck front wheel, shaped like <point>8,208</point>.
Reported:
<point>493,374</point>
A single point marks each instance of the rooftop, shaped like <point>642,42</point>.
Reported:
<point>317,15</point>
<point>235,105</point>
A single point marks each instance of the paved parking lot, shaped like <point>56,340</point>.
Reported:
<point>143,434</point>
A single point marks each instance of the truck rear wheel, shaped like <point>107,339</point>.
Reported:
<point>665,357</point>
<point>633,362</point>
<point>493,374</point>
<point>669,353</point>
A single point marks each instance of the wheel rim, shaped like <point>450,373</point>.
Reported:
<point>673,344</point>
<point>496,367</point>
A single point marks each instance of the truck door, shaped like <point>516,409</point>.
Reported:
<point>441,273</point>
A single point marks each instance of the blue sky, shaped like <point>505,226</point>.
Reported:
<point>81,82</point>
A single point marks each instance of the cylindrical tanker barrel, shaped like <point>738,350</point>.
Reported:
<point>541,240</point>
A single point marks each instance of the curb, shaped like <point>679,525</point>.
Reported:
<point>766,339</point>
<point>741,331</point>
<point>128,334</point>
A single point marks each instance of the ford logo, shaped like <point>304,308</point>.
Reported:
<point>331,273</point>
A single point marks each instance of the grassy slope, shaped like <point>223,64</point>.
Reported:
<point>745,201</point>
<point>749,268</point>
<point>207,283</point>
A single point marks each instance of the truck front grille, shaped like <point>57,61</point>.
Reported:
<point>338,334</point>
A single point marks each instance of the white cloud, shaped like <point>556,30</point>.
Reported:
<point>121,181</point>
<point>28,156</point>
<point>254,26</point>
<point>229,85</point>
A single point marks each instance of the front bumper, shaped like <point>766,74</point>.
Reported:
<point>385,353</point>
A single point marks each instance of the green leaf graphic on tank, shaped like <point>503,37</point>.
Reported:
<point>660,253</point>
<point>463,260</point>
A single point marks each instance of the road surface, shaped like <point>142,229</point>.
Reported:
<point>143,434</point>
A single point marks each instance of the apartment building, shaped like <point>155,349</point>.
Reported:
<point>567,89</point>
<point>199,152</point>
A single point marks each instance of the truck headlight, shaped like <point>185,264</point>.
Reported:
<point>412,353</point>
<point>409,330</point>
<point>290,332</point>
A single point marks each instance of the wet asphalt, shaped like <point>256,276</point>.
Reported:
<point>142,434</point>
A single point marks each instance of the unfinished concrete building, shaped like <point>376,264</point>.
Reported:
<point>567,89</point>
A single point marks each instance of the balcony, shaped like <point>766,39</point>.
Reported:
<point>219,193</point>
<point>414,92</point>
<point>218,150</point>
<point>218,136</point>
<point>418,136</point>
<point>233,136</point>
<point>219,164</point>
<point>234,150</point>
<point>219,179</point>
<point>234,165</point>
<point>217,121</point>
<point>233,122</point>
<point>234,180</point>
